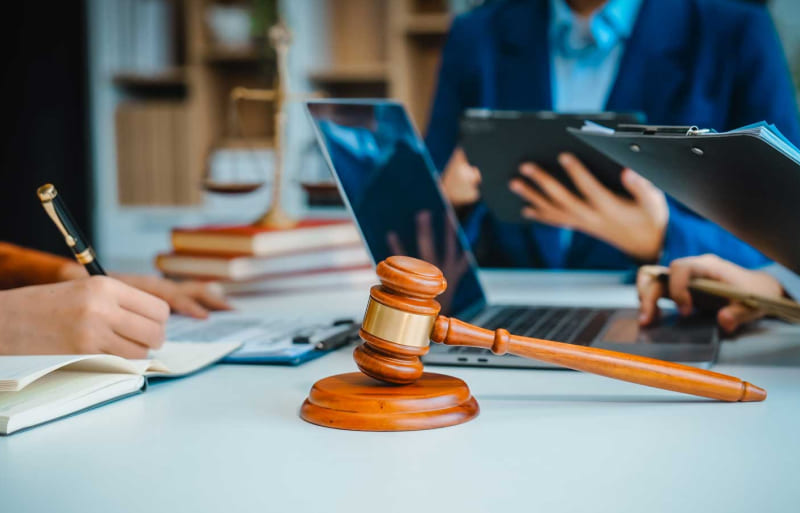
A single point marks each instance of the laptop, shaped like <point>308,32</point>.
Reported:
<point>390,185</point>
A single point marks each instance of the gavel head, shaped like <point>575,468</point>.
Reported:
<point>399,319</point>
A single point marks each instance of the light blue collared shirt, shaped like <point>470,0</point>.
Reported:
<point>585,54</point>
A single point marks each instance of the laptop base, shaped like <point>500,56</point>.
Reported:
<point>691,341</point>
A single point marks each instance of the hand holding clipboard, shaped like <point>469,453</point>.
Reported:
<point>746,180</point>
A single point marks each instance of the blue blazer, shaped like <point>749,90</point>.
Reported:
<point>711,63</point>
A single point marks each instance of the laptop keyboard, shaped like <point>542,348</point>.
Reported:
<point>572,325</point>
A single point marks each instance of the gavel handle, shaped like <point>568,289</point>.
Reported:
<point>612,364</point>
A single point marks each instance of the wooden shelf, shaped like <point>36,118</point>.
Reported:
<point>322,194</point>
<point>434,24</point>
<point>233,55</point>
<point>361,73</point>
<point>245,143</point>
<point>139,80</point>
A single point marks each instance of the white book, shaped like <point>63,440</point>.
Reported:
<point>334,280</point>
<point>249,267</point>
<point>41,388</point>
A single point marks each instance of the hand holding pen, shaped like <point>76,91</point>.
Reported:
<point>191,298</point>
<point>97,314</point>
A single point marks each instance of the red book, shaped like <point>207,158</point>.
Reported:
<point>309,234</point>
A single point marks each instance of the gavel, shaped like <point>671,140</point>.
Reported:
<point>402,318</point>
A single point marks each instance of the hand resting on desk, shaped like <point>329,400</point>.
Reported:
<point>683,270</point>
<point>192,298</point>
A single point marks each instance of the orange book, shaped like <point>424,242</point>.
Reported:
<point>307,235</point>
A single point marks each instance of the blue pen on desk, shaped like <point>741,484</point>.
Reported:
<point>77,243</point>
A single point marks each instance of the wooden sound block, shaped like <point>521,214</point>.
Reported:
<point>357,402</point>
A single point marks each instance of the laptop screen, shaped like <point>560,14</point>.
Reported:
<point>390,184</point>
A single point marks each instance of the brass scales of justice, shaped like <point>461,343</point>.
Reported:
<point>275,217</point>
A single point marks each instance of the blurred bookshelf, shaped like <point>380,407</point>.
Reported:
<point>178,61</point>
<point>366,72</point>
<point>160,78</point>
<point>153,81</point>
<point>432,24</point>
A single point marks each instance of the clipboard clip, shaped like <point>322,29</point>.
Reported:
<point>664,130</point>
<point>693,130</point>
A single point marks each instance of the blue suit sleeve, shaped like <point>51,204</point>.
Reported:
<point>450,98</point>
<point>689,235</point>
<point>763,89</point>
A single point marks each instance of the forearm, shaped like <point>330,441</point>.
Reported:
<point>20,267</point>
<point>689,235</point>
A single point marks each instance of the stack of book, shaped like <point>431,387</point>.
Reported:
<point>245,259</point>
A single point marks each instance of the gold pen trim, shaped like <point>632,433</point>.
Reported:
<point>85,257</point>
<point>51,211</point>
<point>47,193</point>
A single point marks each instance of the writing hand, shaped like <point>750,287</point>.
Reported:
<point>88,315</point>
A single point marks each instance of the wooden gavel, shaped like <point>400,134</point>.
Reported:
<point>402,317</point>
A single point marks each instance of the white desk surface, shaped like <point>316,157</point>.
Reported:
<point>229,438</point>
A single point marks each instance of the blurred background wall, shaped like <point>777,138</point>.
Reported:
<point>46,114</point>
<point>125,105</point>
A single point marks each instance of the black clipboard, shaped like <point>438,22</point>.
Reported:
<point>740,180</point>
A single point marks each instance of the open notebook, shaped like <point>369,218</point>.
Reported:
<point>38,389</point>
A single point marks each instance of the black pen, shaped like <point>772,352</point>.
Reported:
<point>326,339</point>
<point>77,243</point>
<point>339,339</point>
